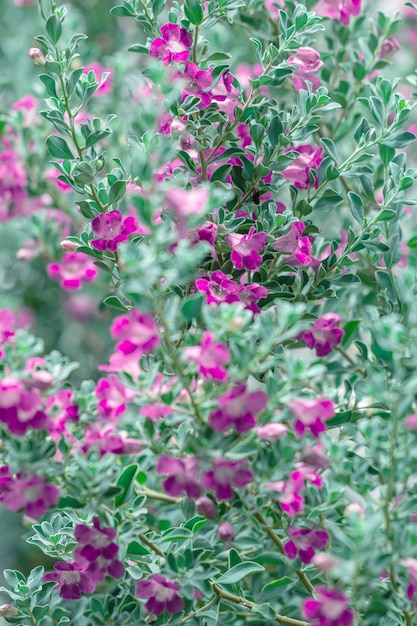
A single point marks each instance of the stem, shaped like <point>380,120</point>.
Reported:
<point>231,597</point>
<point>195,42</point>
<point>197,611</point>
<point>151,545</point>
<point>278,542</point>
<point>157,495</point>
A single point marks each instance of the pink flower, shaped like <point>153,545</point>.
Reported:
<point>308,61</point>
<point>183,203</point>
<point>304,541</point>
<point>341,10</point>
<point>106,442</point>
<point>298,172</point>
<point>112,397</point>
<point>274,5</point>
<point>210,357</point>
<point>28,104</point>
<point>98,548</point>
<point>309,414</point>
<point>297,248</point>
<point>181,475</point>
<point>72,579</point>
<point>237,408</point>
<point>7,323</point>
<point>61,409</point>
<point>162,594</point>
<point>410,422</point>
<point>271,431</point>
<point>330,608</point>
<point>246,248</point>
<point>20,409</point>
<point>137,331</point>
<point>106,84</point>
<point>31,493</point>
<point>224,475</point>
<point>75,268</point>
<point>24,3</point>
<point>197,83</point>
<point>324,334</point>
<point>112,228</point>
<point>412,572</point>
<point>174,47</point>
<point>206,232</point>
<point>13,182</point>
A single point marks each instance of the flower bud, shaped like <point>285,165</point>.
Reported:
<point>68,246</point>
<point>226,532</point>
<point>324,561</point>
<point>354,507</point>
<point>186,141</point>
<point>205,506</point>
<point>37,56</point>
<point>7,610</point>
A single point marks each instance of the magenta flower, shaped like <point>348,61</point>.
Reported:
<point>31,493</point>
<point>13,183</point>
<point>310,414</point>
<point>20,409</point>
<point>294,245</point>
<point>298,172</point>
<point>206,232</point>
<point>312,461</point>
<point>219,288</point>
<point>324,334</point>
<point>7,322</point>
<point>210,357</point>
<point>341,10</point>
<point>224,475</point>
<point>304,541</point>
<point>246,249</point>
<point>112,397</point>
<point>198,82</point>
<point>330,608</point>
<point>291,499</point>
<point>61,410</point>
<point>226,532</point>
<point>75,268</point>
<point>162,594</point>
<point>182,475</point>
<point>72,579</point>
<point>137,331</point>
<point>186,202</point>
<point>271,431</point>
<point>174,46</point>
<point>106,442</point>
<point>250,294</point>
<point>412,572</point>
<point>98,548</point>
<point>237,408</point>
<point>112,228</point>
<point>308,61</point>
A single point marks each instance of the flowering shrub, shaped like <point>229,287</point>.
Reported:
<point>232,204</point>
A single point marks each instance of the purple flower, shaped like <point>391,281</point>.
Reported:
<point>105,441</point>
<point>182,475</point>
<point>298,172</point>
<point>271,431</point>
<point>237,408</point>
<point>341,10</point>
<point>224,475</point>
<point>210,357</point>
<point>98,548</point>
<point>112,228</point>
<point>72,579</point>
<point>330,608</point>
<point>186,202</point>
<point>137,330</point>
<point>291,499</point>
<point>246,248</point>
<point>31,493</point>
<point>20,409</point>
<point>75,268</point>
<point>324,334</point>
<point>304,541</point>
<point>162,594</point>
<point>174,46</point>
<point>310,414</point>
<point>292,243</point>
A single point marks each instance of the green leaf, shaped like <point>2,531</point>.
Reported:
<point>96,137</point>
<point>387,153</point>
<point>117,191</point>
<point>285,580</point>
<point>58,148</point>
<point>356,204</point>
<point>234,558</point>
<point>275,130</point>
<point>73,79</point>
<point>400,140</point>
<point>137,47</point>
<point>49,83</point>
<point>136,549</point>
<point>239,571</point>
<point>125,481</point>
<point>385,215</point>
<point>330,147</point>
<point>329,200</point>
<point>122,11</point>
<point>54,28</point>
<point>191,306</point>
<point>115,303</point>
<point>257,132</point>
<point>193,11</point>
